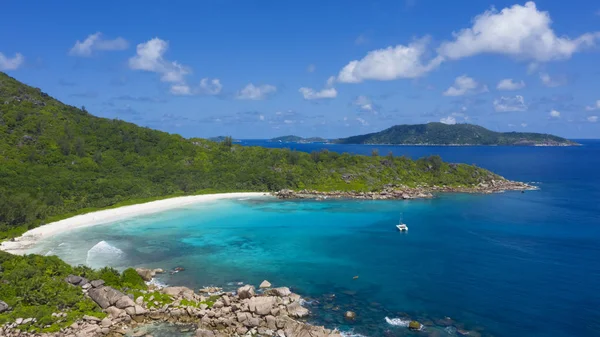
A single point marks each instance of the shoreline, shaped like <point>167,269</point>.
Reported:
<point>21,244</point>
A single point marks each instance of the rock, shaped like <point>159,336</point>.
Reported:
<point>145,274</point>
<point>4,307</point>
<point>124,302</point>
<point>74,279</point>
<point>262,305</point>
<point>414,325</point>
<point>19,321</point>
<point>179,292</point>
<point>271,322</point>
<point>139,300</point>
<point>91,318</point>
<point>298,329</point>
<point>355,277</point>
<point>296,310</point>
<point>210,290</point>
<point>113,312</point>
<point>350,315</point>
<point>105,296</point>
<point>265,284</point>
<point>246,291</point>
<point>204,333</point>
<point>281,291</point>
<point>27,320</point>
<point>97,283</point>
<point>106,322</point>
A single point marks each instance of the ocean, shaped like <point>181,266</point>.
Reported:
<point>508,264</point>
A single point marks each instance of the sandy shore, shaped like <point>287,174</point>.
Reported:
<point>27,240</point>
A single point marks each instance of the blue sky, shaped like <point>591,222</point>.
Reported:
<point>259,69</point>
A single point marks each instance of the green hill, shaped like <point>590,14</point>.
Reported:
<point>298,139</point>
<point>458,134</point>
<point>57,160</point>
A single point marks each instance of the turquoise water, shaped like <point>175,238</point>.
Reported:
<point>506,264</point>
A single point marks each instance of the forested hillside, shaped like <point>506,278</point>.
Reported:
<point>458,134</point>
<point>57,159</point>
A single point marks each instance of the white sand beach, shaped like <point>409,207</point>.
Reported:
<point>21,244</point>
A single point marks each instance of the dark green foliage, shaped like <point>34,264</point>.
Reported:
<point>458,134</point>
<point>34,286</point>
<point>58,160</point>
<point>132,280</point>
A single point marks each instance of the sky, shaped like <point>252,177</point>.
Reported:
<point>261,69</point>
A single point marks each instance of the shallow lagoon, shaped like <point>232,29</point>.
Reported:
<point>508,264</point>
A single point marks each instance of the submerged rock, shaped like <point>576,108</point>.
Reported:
<point>414,325</point>
<point>350,315</point>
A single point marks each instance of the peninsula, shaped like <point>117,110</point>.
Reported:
<point>457,134</point>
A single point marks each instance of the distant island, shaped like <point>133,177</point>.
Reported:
<point>219,139</point>
<point>298,139</point>
<point>457,134</point>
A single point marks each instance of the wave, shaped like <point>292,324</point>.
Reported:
<point>350,333</point>
<point>397,321</point>
<point>103,254</point>
<point>157,283</point>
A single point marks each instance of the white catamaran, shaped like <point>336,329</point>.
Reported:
<point>401,226</point>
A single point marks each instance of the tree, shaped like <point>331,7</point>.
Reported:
<point>228,142</point>
<point>375,153</point>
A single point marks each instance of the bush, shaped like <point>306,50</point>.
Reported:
<point>132,280</point>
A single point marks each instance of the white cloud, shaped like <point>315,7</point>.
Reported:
<point>330,81</point>
<point>593,107</point>
<point>592,119</point>
<point>365,104</point>
<point>390,63</point>
<point>465,85</point>
<point>549,81</point>
<point>532,67</point>
<point>310,94</point>
<point>11,63</point>
<point>450,120</point>
<point>362,121</point>
<point>253,92</point>
<point>523,125</point>
<point>97,42</point>
<point>311,68</point>
<point>508,84</point>
<point>210,87</point>
<point>261,117</point>
<point>361,39</point>
<point>180,90</point>
<point>510,104</point>
<point>149,57</point>
<point>555,114</point>
<point>520,31</point>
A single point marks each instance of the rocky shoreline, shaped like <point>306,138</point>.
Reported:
<point>214,313</point>
<point>395,192</point>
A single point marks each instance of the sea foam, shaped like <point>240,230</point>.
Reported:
<point>103,254</point>
<point>397,321</point>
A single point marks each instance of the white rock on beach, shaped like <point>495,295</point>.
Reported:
<point>265,284</point>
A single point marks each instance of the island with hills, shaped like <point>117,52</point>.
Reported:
<point>456,134</point>
<point>298,139</point>
<point>58,161</point>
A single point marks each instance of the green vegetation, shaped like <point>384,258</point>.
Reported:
<point>34,286</point>
<point>57,161</point>
<point>153,299</point>
<point>298,139</point>
<point>458,134</point>
<point>224,139</point>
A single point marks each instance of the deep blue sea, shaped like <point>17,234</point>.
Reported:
<point>508,264</point>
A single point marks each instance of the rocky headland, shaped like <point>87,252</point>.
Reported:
<point>214,313</point>
<point>390,192</point>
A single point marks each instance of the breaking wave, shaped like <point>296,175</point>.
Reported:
<point>103,254</point>
<point>397,321</point>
